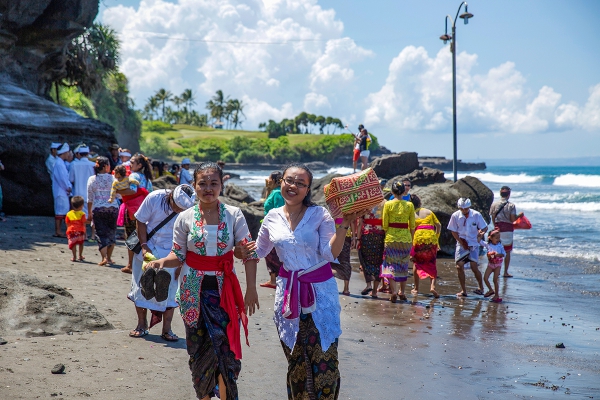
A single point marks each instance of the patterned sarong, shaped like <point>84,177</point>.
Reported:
<point>395,261</point>
<point>424,256</point>
<point>273,262</point>
<point>105,221</point>
<point>343,270</point>
<point>312,373</point>
<point>371,255</point>
<point>208,348</point>
<point>75,238</point>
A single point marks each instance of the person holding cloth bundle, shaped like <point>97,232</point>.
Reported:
<point>503,214</point>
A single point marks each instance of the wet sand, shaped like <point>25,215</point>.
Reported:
<point>421,349</point>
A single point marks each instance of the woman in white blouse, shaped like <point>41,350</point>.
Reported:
<point>307,307</point>
<point>210,299</point>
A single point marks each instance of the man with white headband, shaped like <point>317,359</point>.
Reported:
<point>465,225</point>
<point>152,290</point>
<point>61,187</point>
<point>51,160</point>
<point>80,171</point>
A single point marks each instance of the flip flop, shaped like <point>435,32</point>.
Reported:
<point>366,291</point>
<point>478,291</point>
<point>497,300</point>
<point>162,280</point>
<point>147,283</point>
<point>402,297</point>
<point>461,294</point>
<point>169,336</point>
<point>59,236</point>
<point>346,293</point>
<point>489,293</point>
<point>268,285</point>
<point>137,333</point>
<point>507,276</point>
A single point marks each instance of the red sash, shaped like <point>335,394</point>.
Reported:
<point>373,221</point>
<point>232,299</point>
<point>505,226</point>
<point>399,225</point>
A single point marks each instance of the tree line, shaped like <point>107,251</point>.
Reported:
<point>301,123</point>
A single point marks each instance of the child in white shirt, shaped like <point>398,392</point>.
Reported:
<point>495,254</point>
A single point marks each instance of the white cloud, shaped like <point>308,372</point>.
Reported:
<point>417,96</point>
<point>313,102</point>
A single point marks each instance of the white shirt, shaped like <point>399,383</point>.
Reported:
<point>300,249</point>
<point>152,213</point>
<point>50,161</point>
<point>80,172</point>
<point>98,188</point>
<point>60,179</point>
<point>185,177</point>
<point>467,227</point>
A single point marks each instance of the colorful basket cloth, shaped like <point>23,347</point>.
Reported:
<point>352,193</point>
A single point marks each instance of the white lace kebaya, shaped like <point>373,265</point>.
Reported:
<point>298,250</point>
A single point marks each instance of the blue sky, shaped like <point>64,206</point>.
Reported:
<point>527,72</point>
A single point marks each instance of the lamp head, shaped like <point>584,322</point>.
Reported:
<point>445,37</point>
<point>466,15</point>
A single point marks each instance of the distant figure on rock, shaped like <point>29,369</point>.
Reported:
<point>61,188</point>
<point>364,148</point>
<point>185,177</point>
<point>465,225</point>
<point>503,214</point>
<point>52,158</point>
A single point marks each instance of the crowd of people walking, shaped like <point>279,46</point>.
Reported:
<point>182,244</point>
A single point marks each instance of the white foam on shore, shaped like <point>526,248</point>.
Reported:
<point>495,178</point>
<point>577,180</point>
<point>558,253</point>
<point>253,179</point>
<point>340,170</point>
<point>534,205</point>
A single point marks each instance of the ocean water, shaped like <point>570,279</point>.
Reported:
<point>562,203</point>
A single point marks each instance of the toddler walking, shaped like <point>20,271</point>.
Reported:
<point>76,232</point>
<point>495,255</point>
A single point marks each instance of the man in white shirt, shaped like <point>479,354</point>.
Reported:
<point>79,173</point>
<point>52,158</point>
<point>185,176</point>
<point>465,225</point>
<point>61,188</point>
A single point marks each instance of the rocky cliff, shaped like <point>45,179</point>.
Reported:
<point>33,38</point>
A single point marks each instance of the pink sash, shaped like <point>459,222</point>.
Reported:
<point>430,227</point>
<point>302,282</point>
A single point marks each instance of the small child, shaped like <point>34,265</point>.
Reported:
<point>122,181</point>
<point>76,232</point>
<point>495,255</point>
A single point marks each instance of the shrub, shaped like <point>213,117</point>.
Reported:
<point>155,147</point>
<point>156,126</point>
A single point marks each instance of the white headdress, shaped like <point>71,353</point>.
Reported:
<point>63,149</point>
<point>464,203</point>
<point>182,197</point>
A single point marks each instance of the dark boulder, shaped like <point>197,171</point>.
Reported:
<point>421,177</point>
<point>441,198</point>
<point>253,214</point>
<point>28,124</point>
<point>165,182</point>
<point>237,193</point>
<point>392,165</point>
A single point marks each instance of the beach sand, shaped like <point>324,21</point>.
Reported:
<point>421,349</point>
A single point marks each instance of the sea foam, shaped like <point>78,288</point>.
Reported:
<point>495,178</point>
<point>584,206</point>
<point>577,180</point>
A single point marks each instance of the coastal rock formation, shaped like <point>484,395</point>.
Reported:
<point>31,307</point>
<point>253,214</point>
<point>33,38</point>
<point>441,198</point>
<point>421,177</point>
<point>237,193</point>
<point>165,182</point>
<point>392,165</point>
<point>446,165</point>
<point>28,124</point>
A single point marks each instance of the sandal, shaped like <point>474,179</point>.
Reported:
<point>393,298</point>
<point>497,300</point>
<point>169,336</point>
<point>162,280</point>
<point>478,291</point>
<point>489,293</point>
<point>346,293</point>
<point>268,285</point>
<point>366,291</point>
<point>138,332</point>
<point>147,283</point>
<point>402,297</point>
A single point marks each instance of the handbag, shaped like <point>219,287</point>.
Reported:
<point>133,242</point>
<point>522,223</point>
<point>352,193</point>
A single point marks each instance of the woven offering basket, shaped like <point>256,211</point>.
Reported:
<point>352,193</point>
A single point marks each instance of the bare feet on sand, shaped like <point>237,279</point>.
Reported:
<point>414,291</point>
<point>127,269</point>
<point>435,293</point>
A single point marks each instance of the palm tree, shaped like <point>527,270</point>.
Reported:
<point>163,96</point>
<point>188,98</point>
<point>235,109</point>
<point>216,105</point>
<point>320,120</point>
<point>178,101</point>
<point>151,105</point>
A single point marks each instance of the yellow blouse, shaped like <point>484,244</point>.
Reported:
<point>426,236</point>
<point>398,211</point>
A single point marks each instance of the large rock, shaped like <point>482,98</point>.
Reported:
<point>28,124</point>
<point>33,38</point>
<point>421,177</point>
<point>441,198</point>
<point>165,182</point>
<point>392,165</point>
<point>253,214</point>
<point>237,193</point>
<point>446,165</point>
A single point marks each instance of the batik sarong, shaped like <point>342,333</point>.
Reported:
<point>424,257</point>
<point>312,373</point>
<point>343,270</point>
<point>75,238</point>
<point>395,261</point>
<point>208,348</point>
<point>105,221</point>
<point>371,255</point>
<point>273,262</point>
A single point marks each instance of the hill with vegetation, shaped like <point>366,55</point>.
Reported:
<point>164,141</point>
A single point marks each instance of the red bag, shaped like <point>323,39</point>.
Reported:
<point>522,223</point>
<point>356,192</point>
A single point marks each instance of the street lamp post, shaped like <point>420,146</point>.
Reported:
<point>445,37</point>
